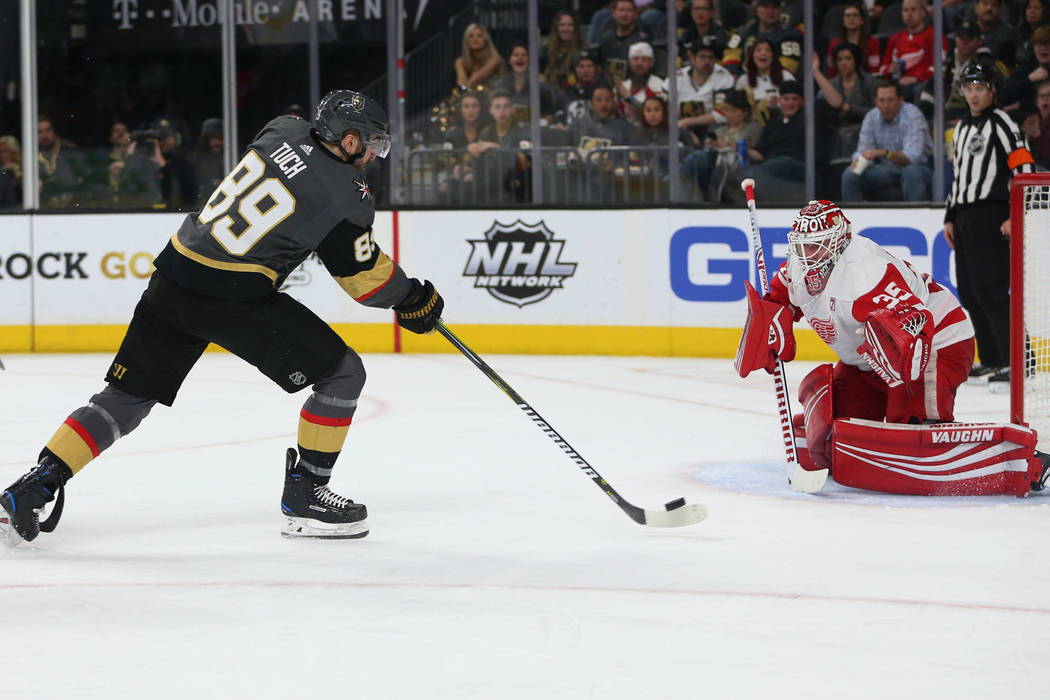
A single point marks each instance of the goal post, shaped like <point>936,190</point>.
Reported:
<point>1030,303</point>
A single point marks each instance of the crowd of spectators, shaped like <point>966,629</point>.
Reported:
<point>147,168</point>
<point>604,75</point>
<point>603,81</point>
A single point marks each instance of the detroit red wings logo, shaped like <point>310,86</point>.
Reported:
<point>363,188</point>
<point>825,329</point>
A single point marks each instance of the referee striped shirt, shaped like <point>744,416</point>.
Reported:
<point>989,149</point>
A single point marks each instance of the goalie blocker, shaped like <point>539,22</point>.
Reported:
<point>938,459</point>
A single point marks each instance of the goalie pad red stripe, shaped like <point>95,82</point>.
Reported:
<point>943,459</point>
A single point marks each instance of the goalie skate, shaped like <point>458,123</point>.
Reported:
<point>312,510</point>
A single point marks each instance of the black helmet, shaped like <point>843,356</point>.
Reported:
<point>342,110</point>
<point>979,72</point>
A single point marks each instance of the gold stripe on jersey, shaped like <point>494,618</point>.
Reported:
<point>219,264</point>
<point>70,447</point>
<point>363,284</point>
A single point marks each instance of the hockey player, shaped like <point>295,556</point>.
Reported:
<point>904,346</point>
<point>299,189</point>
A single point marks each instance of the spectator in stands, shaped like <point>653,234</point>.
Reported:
<point>653,133</point>
<point>1020,86</point>
<point>468,121</point>
<point>763,77</point>
<point>769,25</point>
<point>1036,127</point>
<point>11,158</point>
<point>641,82</point>
<point>625,32</point>
<point>699,85</point>
<point>1035,15</point>
<point>497,164</point>
<point>466,130</point>
<point>855,29</point>
<point>701,24</point>
<point>575,99</point>
<point>515,81</point>
<point>478,61</point>
<point>908,58</point>
<point>967,50</point>
<point>893,151</point>
<point>602,120</point>
<point>208,158</point>
<point>603,19</point>
<point>1000,38</point>
<point>721,157</point>
<point>10,172</point>
<point>503,132</point>
<point>850,95</point>
<point>178,181</point>
<point>563,41</point>
<point>132,181</point>
<point>778,159</point>
<point>61,167</point>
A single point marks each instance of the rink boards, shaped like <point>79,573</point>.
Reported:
<point>621,282</point>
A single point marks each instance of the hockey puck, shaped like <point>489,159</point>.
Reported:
<point>676,503</point>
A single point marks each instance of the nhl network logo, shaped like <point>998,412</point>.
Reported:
<point>518,263</point>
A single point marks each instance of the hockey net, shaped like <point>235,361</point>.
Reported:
<point>1030,303</point>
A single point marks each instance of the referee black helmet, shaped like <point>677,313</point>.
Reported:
<point>980,72</point>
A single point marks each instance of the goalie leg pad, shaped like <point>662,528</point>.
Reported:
<point>815,395</point>
<point>798,431</point>
<point>942,459</point>
<point>933,399</point>
<point>767,335</point>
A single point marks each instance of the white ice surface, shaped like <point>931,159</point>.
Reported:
<point>495,569</point>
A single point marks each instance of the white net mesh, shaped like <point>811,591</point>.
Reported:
<point>1036,270</point>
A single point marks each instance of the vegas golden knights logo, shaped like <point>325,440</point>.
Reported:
<point>119,370</point>
<point>357,102</point>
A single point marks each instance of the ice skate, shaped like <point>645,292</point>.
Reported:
<point>312,510</point>
<point>24,501</point>
<point>979,374</point>
<point>1044,479</point>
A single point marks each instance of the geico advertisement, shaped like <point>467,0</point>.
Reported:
<point>709,254</point>
<point>15,264</point>
<point>91,269</point>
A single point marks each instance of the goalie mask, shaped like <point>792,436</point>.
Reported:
<point>818,237</point>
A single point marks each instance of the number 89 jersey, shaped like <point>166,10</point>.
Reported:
<point>286,198</point>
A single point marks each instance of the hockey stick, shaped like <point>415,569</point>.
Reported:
<point>800,479</point>
<point>676,513</point>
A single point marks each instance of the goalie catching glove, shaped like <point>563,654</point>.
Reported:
<point>897,343</point>
<point>421,308</point>
<point>767,335</point>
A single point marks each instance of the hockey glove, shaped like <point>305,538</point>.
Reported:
<point>767,335</point>
<point>421,308</point>
<point>897,343</point>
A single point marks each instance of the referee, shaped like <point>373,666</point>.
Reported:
<point>988,150</point>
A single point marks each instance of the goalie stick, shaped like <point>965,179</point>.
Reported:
<point>802,480</point>
<point>676,513</point>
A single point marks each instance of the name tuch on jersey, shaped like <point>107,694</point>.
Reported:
<point>289,162</point>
